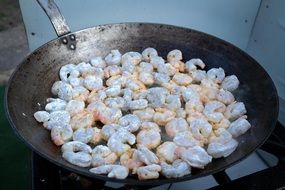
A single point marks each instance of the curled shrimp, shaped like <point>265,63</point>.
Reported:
<point>166,152</point>
<point>150,126</point>
<point>149,138</point>
<point>182,79</point>
<point>146,156</point>
<point>186,139</point>
<point>65,91</point>
<point>93,83</point>
<point>193,106</point>
<point>119,141</point>
<point>74,107</point>
<point>201,130</point>
<point>113,171</point>
<point>87,135</point>
<point>156,96</point>
<point>162,116</point>
<point>137,104</point>
<point>61,134</point>
<point>146,78</point>
<point>156,61</point>
<point>230,83</point>
<point>130,160</point>
<point>112,70</point>
<point>133,57</point>
<point>65,71</point>
<point>195,115</point>
<point>108,130</point>
<point>96,96</point>
<point>98,62</point>
<point>57,118</point>
<point>167,69</point>
<point>224,123</point>
<point>102,155</point>
<point>145,114</point>
<point>41,116</point>
<point>113,91</point>
<point>178,168</point>
<point>198,75</point>
<point>117,80</point>
<point>160,78</point>
<point>117,102</point>
<point>77,153</point>
<point>113,58</point>
<point>55,104</point>
<point>225,97</point>
<point>130,122</point>
<point>82,120</point>
<point>239,126</point>
<point>135,84</point>
<point>175,126</point>
<point>149,172</point>
<point>174,55</point>
<point>214,111</point>
<point>80,93</point>
<point>235,110</point>
<point>145,67</point>
<point>216,74</point>
<point>148,53</point>
<point>193,63</point>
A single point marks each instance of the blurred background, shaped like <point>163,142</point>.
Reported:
<point>256,26</point>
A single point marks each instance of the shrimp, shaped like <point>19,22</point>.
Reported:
<point>186,139</point>
<point>162,116</point>
<point>198,75</point>
<point>214,111</point>
<point>55,87</point>
<point>146,156</point>
<point>193,63</point>
<point>117,102</point>
<point>102,155</point>
<point>145,114</point>
<point>239,126</point>
<point>173,102</point>
<point>77,153</point>
<point>128,94</point>
<point>130,160</point>
<point>141,94</point>
<point>108,130</point>
<point>156,61</point>
<point>222,145</point>
<point>75,81</point>
<point>130,122</point>
<point>216,74</point>
<point>224,123</point>
<point>178,168</point>
<point>150,126</point>
<point>74,107</point>
<point>117,142</point>
<point>149,138</point>
<point>65,91</point>
<point>82,120</point>
<point>160,78</point>
<point>166,152</point>
<point>135,85</point>
<point>113,58</point>
<point>149,172</point>
<point>225,97</point>
<point>113,91</point>
<point>174,55</point>
<point>146,78</point>
<point>133,57</point>
<point>190,94</point>
<point>195,115</point>
<point>195,156</point>
<point>194,105</point>
<point>80,93</point>
<point>65,71</point>
<point>57,118</point>
<point>128,67</point>
<point>112,70</point>
<point>113,171</point>
<point>182,79</point>
<point>61,134</point>
<point>180,112</point>
<point>93,83</point>
<point>98,62</point>
<point>96,96</point>
<point>145,67</point>
<point>117,80</point>
<point>55,104</point>
<point>235,110</point>
<point>230,83</point>
<point>41,116</point>
<point>85,69</point>
<point>137,104</point>
<point>167,69</point>
<point>175,126</point>
<point>156,96</point>
<point>87,135</point>
<point>148,53</point>
<point>201,129</point>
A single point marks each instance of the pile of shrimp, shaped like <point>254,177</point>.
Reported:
<point>138,113</point>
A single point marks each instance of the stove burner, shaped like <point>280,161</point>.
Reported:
<point>47,176</point>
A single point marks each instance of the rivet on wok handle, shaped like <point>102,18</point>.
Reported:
<point>72,46</point>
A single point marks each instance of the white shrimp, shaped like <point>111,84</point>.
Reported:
<point>57,118</point>
<point>133,57</point>
<point>175,126</point>
<point>41,116</point>
<point>148,53</point>
<point>118,141</point>
<point>235,110</point>
<point>222,145</point>
<point>113,171</point>
<point>98,62</point>
<point>55,87</point>
<point>130,160</point>
<point>195,156</point>
<point>214,111</point>
<point>195,115</point>
<point>198,75</point>
<point>194,105</point>
<point>162,116</point>
<point>80,93</point>
<point>141,94</point>
<point>180,112</point>
<point>77,153</point>
<point>193,63</point>
<point>128,67</point>
<point>216,74</point>
<point>174,55</point>
<point>74,107</point>
<point>239,126</point>
<point>225,97</point>
<point>83,119</point>
<point>113,91</point>
<point>224,123</point>
<point>117,102</point>
<point>146,156</point>
<point>97,96</point>
<point>102,155</point>
<point>173,102</point>
<point>61,134</point>
<point>149,172</point>
<point>130,122</point>
<point>201,129</point>
<point>149,138</point>
<point>116,80</point>
<point>156,61</point>
<point>167,69</point>
<point>190,94</point>
<point>93,83</point>
<point>145,114</point>
<point>87,135</point>
<point>108,130</point>
<point>147,125</point>
<point>145,67</point>
<point>186,139</point>
<point>65,91</point>
<point>178,168</point>
<point>156,96</point>
<point>160,78</point>
<point>113,58</point>
<point>166,152</point>
<point>75,81</point>
<point>135,84</point>
<point>65,71</point>
<point>128,94</point>
<point>112,70</point>
<point>230,83</point>
<point>137,104</point>
<point>146,78</point>
<point>55,104</point>
<point>182,79</point>
<point>85,69</point>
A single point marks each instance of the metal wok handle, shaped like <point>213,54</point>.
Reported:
<point>57,20</point>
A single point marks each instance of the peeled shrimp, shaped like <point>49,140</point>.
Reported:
<point>198,75</point>
<point>174,55</point>
<point>160,78</point>
<point>74,107</point>
<point>57,118</point>
<point>80,93</point>
<point>93,83</point>
<point>137,104</point>
<point>98,62</point>
<point>82,120</point>
<point>216,74</point>
<point>130,122</point>
<point>96,96</point>
<point>61,134</point>
<point>65,91</point>
<point>133,57</point>
<point>145,114</point>
<point>193,63</point>
<point>214,111</point>
<point>146,78</point>
<point>116,80</point>
<point>150,126</point>
<point>102,155</point>
<point>177,169</point>
<point>230,83</point>
<point>113,91</point>
<point>113,171</point>
<point>167,69</point>
<point>162,116</point>
<point>108,130</point>
<point>130,160</point>
<point>225,97</point>
<point>239,126</point>
<point>186,139</point>
<point>156,61</point>
<point>65,71</point>
<point>41,116</point>
<point>235,110</point>
<point>156,96</point>
<point>87,135</point>
<point>175,126</point>
<point>148,53</point>
<point>145,67</point>
<point>166,152</point>
<point>113,58</point>
<point>55,104</point>
<point>117,102</point>
<point>149,138</point>
<point>182,79</point>
<point>146,156</point>
<point>112,70</point>
<point>149,172</point>
<point>201,129</point>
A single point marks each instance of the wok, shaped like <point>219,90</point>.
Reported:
<point>31,82</point>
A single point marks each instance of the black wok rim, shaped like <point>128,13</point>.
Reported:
<point>133,181</point>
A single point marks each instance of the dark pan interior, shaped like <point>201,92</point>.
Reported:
<point>31,83</point>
